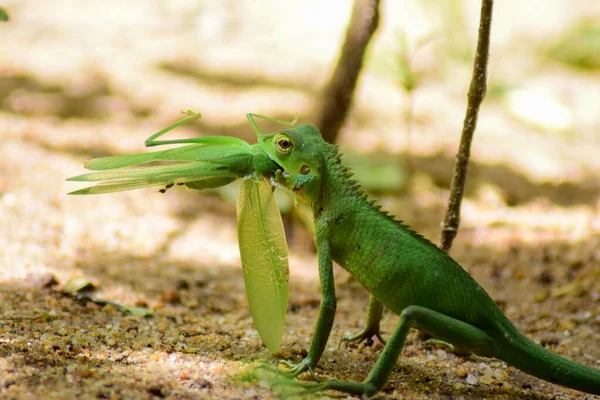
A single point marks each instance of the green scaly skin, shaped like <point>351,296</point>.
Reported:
<point>402,270</point>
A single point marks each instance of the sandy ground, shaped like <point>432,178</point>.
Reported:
<point>79,81</point>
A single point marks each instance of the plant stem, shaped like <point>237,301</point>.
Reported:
<point>476,94</point>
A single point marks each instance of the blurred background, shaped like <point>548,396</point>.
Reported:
<point>88,79</point>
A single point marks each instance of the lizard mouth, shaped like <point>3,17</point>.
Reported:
<point>284,174</point>
<point>283,171</point>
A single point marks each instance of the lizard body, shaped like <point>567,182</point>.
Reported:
<point>402,270</point>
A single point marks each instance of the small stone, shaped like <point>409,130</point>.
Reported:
<point>486,370</point>
<point>140,303</point>
<point>472,379</point>
<point>171,296</point>
<point>184,375</point>
<point>182,284</point>
<point>44,280</point>
<point>462,371</point>
<point>486,379</point>
<point>500,375</point>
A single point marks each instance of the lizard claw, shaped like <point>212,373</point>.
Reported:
<point>303,388</point>
<point>365,336</point>
<point>297,369</point>
<point>367,390</point>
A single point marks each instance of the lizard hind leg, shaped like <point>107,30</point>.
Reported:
<point>371,328</point>
<point>447,328</point>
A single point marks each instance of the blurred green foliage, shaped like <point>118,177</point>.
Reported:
<point>3,15</point>
<point>579,47</point>
<point>378,173</point>
<point>457,43</point>
<point>397,64</point>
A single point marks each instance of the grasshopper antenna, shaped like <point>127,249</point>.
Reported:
<point>251,117</point>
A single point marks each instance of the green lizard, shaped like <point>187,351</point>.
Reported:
<point>402,270</point>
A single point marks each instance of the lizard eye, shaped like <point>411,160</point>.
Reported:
<point>284,144</point>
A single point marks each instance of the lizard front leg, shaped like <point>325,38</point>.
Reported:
<point>327,307</point>
<point>372,326</point>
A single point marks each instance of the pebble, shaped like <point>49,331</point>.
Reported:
<point>472,379</point>
<point>500,375</point>
<point>462,371</point>
<point>485,369</point>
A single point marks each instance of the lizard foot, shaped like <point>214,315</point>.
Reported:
<point>367,390</point>
<point>437,342</point>
<point>366,336</point>
<point>297,369</point>
<point>452,348</point>
<point>294,371</point>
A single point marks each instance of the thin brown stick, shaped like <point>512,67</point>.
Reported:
<point>337,96</point>
<point>476,94</point>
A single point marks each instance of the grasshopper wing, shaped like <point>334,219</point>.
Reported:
<point>263,249</point>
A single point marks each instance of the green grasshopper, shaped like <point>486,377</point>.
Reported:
<point>211,162</point>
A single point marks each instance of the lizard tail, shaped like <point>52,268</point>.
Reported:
<point>517,349</point>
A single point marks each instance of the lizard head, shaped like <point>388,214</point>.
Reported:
<point>300,153</point>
